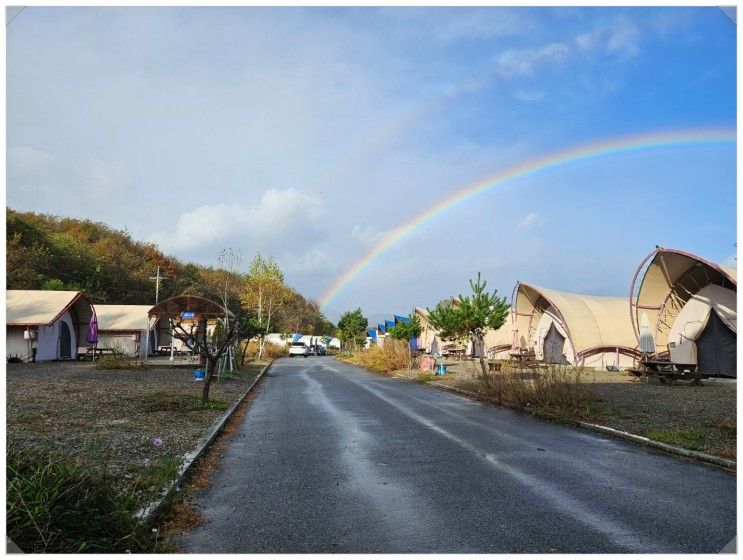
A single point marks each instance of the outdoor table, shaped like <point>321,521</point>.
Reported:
<point>456,352</point>
<point>666,370</point>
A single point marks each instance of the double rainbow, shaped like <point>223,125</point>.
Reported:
<point>583,152</point>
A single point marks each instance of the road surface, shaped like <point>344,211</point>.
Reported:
<point>331,458</point>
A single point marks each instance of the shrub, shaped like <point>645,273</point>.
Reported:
<point>424,377</point>
<point>57,506</point>
<point>119,361</point>
<point>382,359</point>
<point>560,390</point>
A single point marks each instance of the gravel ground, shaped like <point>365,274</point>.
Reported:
<point>110,418</point>
<point>702,418</point>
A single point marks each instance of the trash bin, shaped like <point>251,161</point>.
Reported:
<point>198,375</point>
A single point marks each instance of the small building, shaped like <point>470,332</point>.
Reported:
<point>123,327</point>
<point>45,325</point>
<point>689,305</point>
<point>567,328</point>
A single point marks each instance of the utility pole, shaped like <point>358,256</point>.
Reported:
<point>157,284</point>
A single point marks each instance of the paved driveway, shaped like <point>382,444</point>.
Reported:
<point>331,458</point>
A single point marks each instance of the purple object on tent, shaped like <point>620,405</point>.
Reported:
<point>92,336</point>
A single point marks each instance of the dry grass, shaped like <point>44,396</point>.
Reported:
<point>559,390</point>
<point>385,359</point>
<point>270,351</point>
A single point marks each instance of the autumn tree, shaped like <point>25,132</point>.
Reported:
<point>264,292</point>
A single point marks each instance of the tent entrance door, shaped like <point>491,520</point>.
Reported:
<point>716,348</point>
<point>554,346</point>
<point>65,341</point>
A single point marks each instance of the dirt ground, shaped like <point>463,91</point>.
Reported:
<point>700,418</point>
<point>115,419</point>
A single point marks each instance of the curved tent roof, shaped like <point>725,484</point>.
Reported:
<point>592,323</point>
<point>40,307</point>
<point>665,281</point>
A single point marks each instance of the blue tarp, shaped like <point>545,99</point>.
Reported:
<point>381,328</point>
<point>414,343</point>
<point>401,319</point>
<point>389,324</point>
<point>297,337</point>
<point>373,334</point>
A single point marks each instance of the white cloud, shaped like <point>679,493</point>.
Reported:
<point>313,260</point>
<point>528,96</point>
<point>624,39</point>
<point>280,221</point>
<point>368,235</point>
<point>29,160</point>
<point>528,221</point>
<point>522,62</point>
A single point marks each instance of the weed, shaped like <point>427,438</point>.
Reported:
<point>559,390</point>
<point>119,361</point>
<point>689,439</point>
<point>424,377</point>
<point>54,505</point>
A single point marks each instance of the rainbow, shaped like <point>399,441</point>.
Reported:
<point>582,152</point>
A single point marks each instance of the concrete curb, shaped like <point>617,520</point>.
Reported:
<point>696,455</point>
<point>147,513</point>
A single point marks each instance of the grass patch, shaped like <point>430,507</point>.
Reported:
<point>688,439</point>
<point>424,377</point>
<point>56,506</point>
<point>118,361</point>
<point>164,402</point>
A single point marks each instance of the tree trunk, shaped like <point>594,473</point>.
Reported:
<point>208,380</point>
<point>480,346</point>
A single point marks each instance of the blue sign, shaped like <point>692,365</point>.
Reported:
<point>187,315</point>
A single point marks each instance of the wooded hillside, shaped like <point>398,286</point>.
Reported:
<point>52,253</point>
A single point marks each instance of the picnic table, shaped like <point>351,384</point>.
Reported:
<point>91,353</point>
<point>666,370</point>
<point>458,353</point>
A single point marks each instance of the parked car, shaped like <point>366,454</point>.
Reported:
<point>299,349</point>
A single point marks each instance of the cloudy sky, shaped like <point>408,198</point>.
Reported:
<point>312,134</point>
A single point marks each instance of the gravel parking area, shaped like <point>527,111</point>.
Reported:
<point>699,418</point>
<point>115,419</point>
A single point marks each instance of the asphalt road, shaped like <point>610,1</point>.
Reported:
<point>331,458</point>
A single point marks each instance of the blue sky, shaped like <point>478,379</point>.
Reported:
<point>309,133</point>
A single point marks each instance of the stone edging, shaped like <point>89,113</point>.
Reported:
<point>711,459</point>
<point>147,513</point>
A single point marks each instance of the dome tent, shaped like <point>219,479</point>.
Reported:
<point>691,305</point>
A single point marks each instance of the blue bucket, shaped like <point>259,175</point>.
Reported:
<point>198,375</point>
<point>442,369</point>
